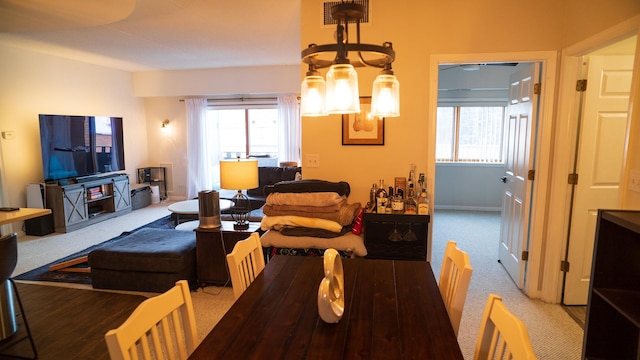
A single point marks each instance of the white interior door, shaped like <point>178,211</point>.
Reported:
<point>599,163</point>
<point>520,128</point>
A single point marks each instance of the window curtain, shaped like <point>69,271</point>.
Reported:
<point>201,154</point>
<point>289,129</point>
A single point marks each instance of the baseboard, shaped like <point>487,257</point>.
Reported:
<point>467,208</point>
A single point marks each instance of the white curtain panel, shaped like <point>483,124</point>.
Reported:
<point>290,129</point>
<point>201,154</point>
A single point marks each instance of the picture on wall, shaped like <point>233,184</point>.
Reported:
<point>362,128</point>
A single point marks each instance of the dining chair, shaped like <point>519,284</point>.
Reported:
<point>502,335</point>
<point>455,276</point>
<point>8,261</point>
<point>246,261</point>
<point>160,327</point>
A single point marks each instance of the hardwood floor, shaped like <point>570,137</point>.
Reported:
<point>69,323</point>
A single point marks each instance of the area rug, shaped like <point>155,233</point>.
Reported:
<point>42,273</point>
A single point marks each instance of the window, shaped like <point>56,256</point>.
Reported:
<point>470,134</point>
<point>247,132</point>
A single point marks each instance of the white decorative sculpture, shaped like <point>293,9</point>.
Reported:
<point>331,290</point>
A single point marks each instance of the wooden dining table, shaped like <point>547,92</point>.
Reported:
<point>393,310</point>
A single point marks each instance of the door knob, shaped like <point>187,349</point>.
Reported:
<point>503,179</point>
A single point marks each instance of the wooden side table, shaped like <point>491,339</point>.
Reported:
<point>212,247</point>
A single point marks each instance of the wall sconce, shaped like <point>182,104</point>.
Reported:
<point>165,124</point>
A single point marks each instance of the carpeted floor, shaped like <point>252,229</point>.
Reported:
<point>554,334</point>
<point>42,273</point>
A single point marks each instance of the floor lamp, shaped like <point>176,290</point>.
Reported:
<point>239,174</point>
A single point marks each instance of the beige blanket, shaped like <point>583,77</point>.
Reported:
<point>277,222</point>
<point>308,199</point>
<point>343,215</point>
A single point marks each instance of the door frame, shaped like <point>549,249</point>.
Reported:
<point>565,138</point>
<point>543,139</point>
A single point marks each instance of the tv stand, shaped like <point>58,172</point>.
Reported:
<point>80,204</point>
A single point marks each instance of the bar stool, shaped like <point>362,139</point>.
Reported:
<point>8,326</point>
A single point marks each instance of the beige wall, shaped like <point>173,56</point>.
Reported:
<point>32,84</point>
<point>419,30</point>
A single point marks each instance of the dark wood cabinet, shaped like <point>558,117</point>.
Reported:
<point>612,329</point>
<point>396,236</point>
<point>212,247</point>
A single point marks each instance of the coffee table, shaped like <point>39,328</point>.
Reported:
<point>191,207</point>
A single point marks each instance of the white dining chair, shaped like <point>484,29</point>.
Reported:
<point>246,261</point>
<point>502,334</point>
<point>160,327</point>
<point>455,276</point>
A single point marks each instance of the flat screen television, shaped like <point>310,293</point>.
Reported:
<point>74,147</point>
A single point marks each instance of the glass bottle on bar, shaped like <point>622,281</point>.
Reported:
<point>423,200</point>
<point>423,203</point>
<point>390,195</point>
<point>410,203</point>
<point>373,193</point>
<point>397,203</point>
<point>381,198</point>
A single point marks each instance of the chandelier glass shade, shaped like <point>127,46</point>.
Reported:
<point>340,93</point>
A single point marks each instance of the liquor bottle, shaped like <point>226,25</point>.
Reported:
<point>410,204</point>
<point>381,198</point>
<point>390,198</point>
<point>371,206</point>
<point>423,203</point>
<point>397,204</point>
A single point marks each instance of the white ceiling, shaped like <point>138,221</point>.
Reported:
<point>141,35</point>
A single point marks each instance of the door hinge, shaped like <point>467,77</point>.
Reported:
<point>581,85</point>
<point>572,179</point>
<point>564,266</point>
<point>537,88</point>
<point>531,175</point>
<point>525,255</point>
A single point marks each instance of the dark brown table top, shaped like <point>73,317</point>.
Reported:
<point>393,310</point>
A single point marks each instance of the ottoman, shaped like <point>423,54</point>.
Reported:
<point>146,260</point>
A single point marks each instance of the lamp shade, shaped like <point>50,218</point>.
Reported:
<point>239,174</point>
<point>385,96</point>
<point>312,92</point>
<point>342,90</point>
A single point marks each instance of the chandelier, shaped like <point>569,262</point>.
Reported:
<point>339,93</point>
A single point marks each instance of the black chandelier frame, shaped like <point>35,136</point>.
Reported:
<point>343,13</point>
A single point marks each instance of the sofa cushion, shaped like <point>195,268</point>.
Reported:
<point>302,186</point>
<point>269,175</point>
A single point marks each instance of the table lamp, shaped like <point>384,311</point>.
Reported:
<point>239,174</point>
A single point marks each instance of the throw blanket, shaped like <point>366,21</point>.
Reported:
<point>348,241</point>
<point>315,199</point>
<point>303,186</point>
<point>344,214</point>
<point>277,222</point>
